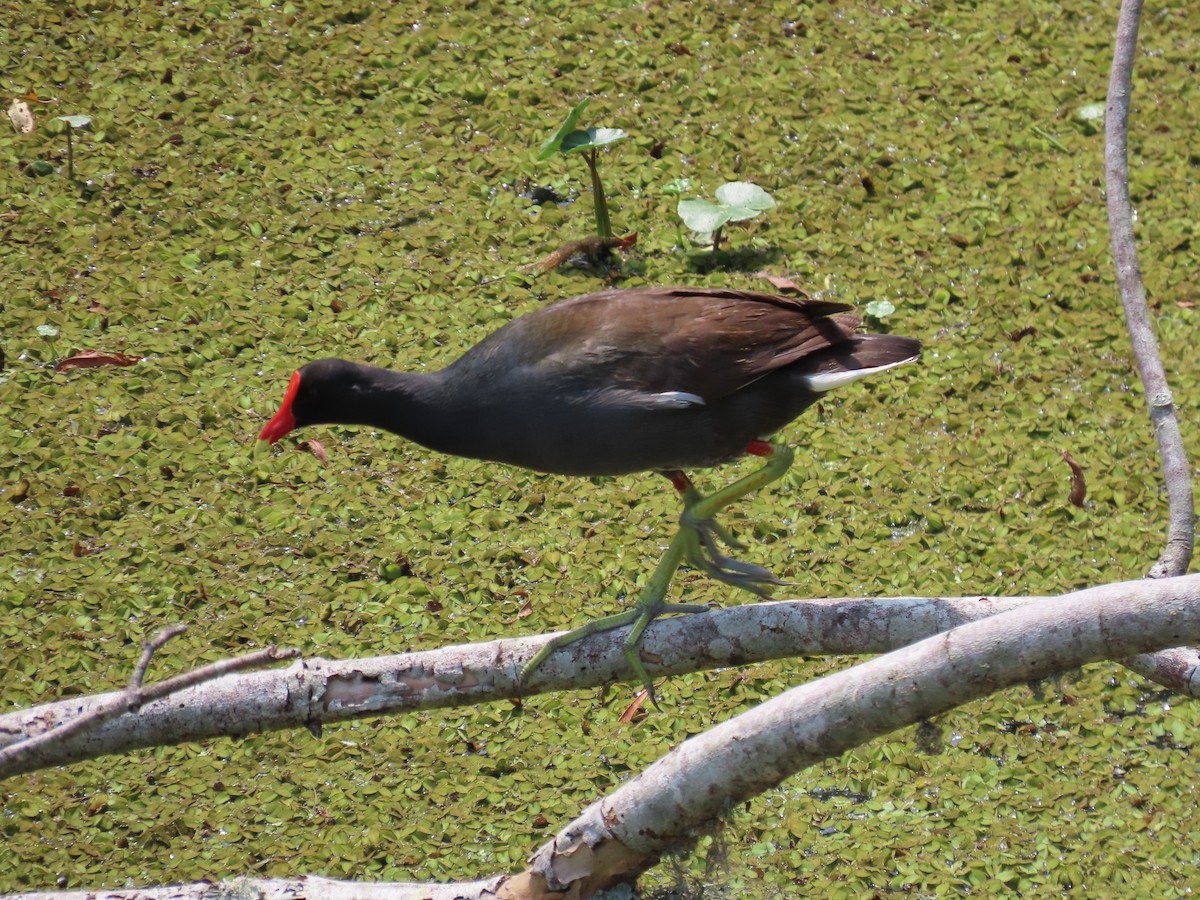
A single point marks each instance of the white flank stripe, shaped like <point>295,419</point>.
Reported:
<point>820,382</point>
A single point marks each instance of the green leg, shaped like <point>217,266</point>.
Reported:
<point>696,543</point>
<point>702,531</point>
<point>649,606</point>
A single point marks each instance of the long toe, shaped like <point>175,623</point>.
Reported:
<point>703,553</point>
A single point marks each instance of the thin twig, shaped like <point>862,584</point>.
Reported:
<point>149,648</point>
<point>1181,510</point>
<point>215,670</point>
<point>135,695</point>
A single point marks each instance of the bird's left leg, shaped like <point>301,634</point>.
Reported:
<point>650,605</point>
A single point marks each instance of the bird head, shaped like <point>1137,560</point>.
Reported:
<point>285,420</point>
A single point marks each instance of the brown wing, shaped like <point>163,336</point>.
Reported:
<point>702,341</point>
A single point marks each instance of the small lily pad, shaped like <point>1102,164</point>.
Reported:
<point>744,200</point>
<point>880,309</point>
<point>73,122</point>
<point>701,216</point>
<point>736,201</point>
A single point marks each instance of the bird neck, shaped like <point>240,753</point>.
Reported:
<point>420,406</point>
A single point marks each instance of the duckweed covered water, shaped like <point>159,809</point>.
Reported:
<point>264,184</point>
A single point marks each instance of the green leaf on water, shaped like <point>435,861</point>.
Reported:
<point>736,201</point>
<point>701,216</point>
<point>591,138</point>
<point>553,144</point>
<point>568,138</point>
<point>72,122</point>
<point>880,309</point>
<point>744,200</point>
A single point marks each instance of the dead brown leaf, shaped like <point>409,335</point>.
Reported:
<point>91,359</point>
<point>635,707</point>
<point>784,284</point>
<point>316,448</point>
<point>1078,484</point>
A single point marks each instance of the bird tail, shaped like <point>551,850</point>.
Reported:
<point>857,357</point>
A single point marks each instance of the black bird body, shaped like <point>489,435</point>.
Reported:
<point>645,379</point>
<point>613,382</point>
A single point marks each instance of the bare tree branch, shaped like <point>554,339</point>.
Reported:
<point>45,733</point>
<point>304,887</point>
<point>663,808</point>
<point>1181,528</point>
<point>667,806</point>
<point>315,691</point>
<point>1177,669</point>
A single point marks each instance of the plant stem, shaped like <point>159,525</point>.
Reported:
<point>70,155</point>
<point>603,227</point>
<point>717,238</point>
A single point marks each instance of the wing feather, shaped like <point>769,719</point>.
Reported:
<point>698,341</point>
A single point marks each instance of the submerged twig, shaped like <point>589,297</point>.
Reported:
<point>593,247</point>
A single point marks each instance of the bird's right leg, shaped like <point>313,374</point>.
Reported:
<point>701,531</point>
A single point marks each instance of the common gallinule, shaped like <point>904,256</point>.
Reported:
<point>661,379</point>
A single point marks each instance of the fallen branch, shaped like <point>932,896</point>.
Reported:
<point>45,733</point>
<point>310,887</point>
<point>669,805</point>
<point>316,691</point>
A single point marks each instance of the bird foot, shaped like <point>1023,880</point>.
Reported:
<point>702,534</point>
<point>703,552</point>
<point>646,611</point>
